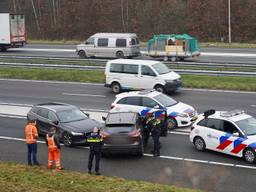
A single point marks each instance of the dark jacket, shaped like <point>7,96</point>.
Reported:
<point>95,140</point>
<point>56,140</point>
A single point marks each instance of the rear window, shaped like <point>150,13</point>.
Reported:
<point>121,43</point>
<point>102,42</point>
<point>43,113</point>
<point>133,101</point>
<point>116,68</point>
<point>131,69</point>
<point>134,42</point>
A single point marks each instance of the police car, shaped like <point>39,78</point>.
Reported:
<point>230,132</point>
<point>178,114</point>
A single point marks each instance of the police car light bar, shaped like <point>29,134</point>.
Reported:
<point>232,113</point>
<point>209,112</point>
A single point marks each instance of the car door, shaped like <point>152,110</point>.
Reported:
<point>102,47</point>
<point>129,104</point>
<point>52,121</point>
<point>42,121</point>
<point>130,77</point>
<point>148,77</point>
<point>90,47</point>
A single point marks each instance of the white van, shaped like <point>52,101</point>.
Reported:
<point>128,74</point>
<point>113,45</point>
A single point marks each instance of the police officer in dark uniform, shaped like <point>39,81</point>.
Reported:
<point>147,126</point>
<point>156,133</point>
<point>95,142</point>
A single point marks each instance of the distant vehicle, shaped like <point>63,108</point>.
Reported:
<point>229,132</point>
<point>173,47</point>
<point>112,45</point>
<point>12,31</point>
<point>123,133</point>
<point>72,124</point>
<point>178,114</point>
<point>129,74</point>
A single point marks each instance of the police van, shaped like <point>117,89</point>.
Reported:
<point>112,45</point>
<point>127,74</point>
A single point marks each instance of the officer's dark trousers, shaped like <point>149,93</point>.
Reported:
<point>97,154</point>
<point>156,150</point>
<point>32,151</point>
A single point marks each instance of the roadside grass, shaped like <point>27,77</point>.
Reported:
<point>189,81</point>
<point>143,44</point>
<point>20,178</point>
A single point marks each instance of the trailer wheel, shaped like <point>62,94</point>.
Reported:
<point>173,59</point>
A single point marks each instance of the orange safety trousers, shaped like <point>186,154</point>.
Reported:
<point>54,155</point>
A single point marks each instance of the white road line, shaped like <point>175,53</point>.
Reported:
<point>228,54</point>
<point>218,91</point>
<point>162,156</point>
<point>179,132</point>
<point>83,95</point>
<point>44,50</point>
<point>253,105</point>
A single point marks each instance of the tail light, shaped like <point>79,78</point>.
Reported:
<point>112,106</point>
<point>104,134</point>
<point>135,133</point>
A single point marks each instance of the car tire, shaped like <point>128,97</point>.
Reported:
<point>67,139</point>
<point>119,55</point>
<point>159,88</point>
<point>116,88</point>
<point>199,143</point>
<point>249,155</point>
<point>171,124</point>
<point>82,54</point>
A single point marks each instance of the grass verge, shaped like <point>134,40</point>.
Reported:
<point>20,178</point>
<point>191,81</point>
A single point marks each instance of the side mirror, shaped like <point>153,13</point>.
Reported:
<point>236,134</point>
<point>56,122</point>
<point>103,118</point>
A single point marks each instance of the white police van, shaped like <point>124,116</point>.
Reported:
<point>229,132</point>
<point>128,74</point>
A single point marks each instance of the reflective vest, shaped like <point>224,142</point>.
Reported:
<point>94,140</point>
<point>156,122</point>
<point>51,142</point>
<point>31,134</point>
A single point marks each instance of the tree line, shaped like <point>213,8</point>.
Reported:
<point>207,20</point>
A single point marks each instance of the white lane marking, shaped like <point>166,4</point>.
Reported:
<point>179,132</point>
<point>162,156</point>
<point>44,50</point>
<point>13,116</point>
<point>82,95</point>
<point>228,54</point>
<point>253,105</point>
<point>101,84</point>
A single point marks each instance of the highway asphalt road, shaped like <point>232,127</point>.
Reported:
<point>96,96</point>
<point>66,51</point>
<point>212,172</point>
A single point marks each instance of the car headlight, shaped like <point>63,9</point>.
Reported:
<point>168,81</point>
<point>183,115</point>
<point>76,133</point>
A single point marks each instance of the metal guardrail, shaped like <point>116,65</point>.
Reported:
<point>84,67</point>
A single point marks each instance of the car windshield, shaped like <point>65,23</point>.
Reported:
<point>165,100</point>
<point>248,126</point>
<point>71,115</point>
<point>161,68</point>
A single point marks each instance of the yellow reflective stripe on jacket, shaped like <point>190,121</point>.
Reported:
<point>94,140</point>
<point>157,121</point>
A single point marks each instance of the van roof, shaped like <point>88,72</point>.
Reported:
<point>115,35</point>
<point>134,61</point>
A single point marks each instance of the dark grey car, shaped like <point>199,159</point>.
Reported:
<point>73,125</point>
<point>123,133</point>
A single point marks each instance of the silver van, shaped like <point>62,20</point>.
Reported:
<point>112,45</point>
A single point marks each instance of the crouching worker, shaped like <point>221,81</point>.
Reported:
<point>53,144</point>
<point>95,142</point>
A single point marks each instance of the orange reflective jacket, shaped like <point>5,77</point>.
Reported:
<point>31,134</point>
<point>51,142</point>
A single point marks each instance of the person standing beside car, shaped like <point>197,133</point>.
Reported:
<point>31,140</point>
<point>147,126</point>
<point>95,143</point>
<point>156,133</point>
<point>53,144</point>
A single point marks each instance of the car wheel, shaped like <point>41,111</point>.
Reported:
<point>166,58</point>
<point>199,144</point>
<point>159,88</point>
<point>116,88</point>
<point>67,139</point>
<point>82,54</point>
<point>173,59</point>
<point>171,123</point>
<point>249,155</point>
<point>119,54</point>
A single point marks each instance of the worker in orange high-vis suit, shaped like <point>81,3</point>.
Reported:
<point>53,144</point>
<point>31,139</point>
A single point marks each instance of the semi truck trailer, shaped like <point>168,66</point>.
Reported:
<point>12,31</point>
